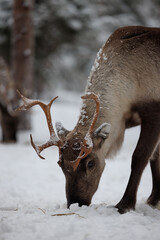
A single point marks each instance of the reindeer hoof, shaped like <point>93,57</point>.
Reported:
<point>154,200</point>
<point>124,207</point>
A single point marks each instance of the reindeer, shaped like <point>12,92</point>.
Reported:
<point>123,90</point>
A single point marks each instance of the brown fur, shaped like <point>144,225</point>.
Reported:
<point>126,76</point>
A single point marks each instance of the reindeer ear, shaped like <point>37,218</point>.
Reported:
<point>102,131</point>
<point>61,131</point>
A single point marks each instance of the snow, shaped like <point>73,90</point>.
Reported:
<point>95,66</point>
<point>83,115</point>
<point>32,197</point>
<point>104,57</point>
<point>59,128</point>
<point>88,140</point>
<point>96,62</point>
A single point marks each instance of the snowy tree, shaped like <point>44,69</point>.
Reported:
<point>68,33</point>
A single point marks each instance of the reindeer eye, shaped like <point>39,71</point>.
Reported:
<point>91,164</point>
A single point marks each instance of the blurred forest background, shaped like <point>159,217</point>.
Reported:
<point>50,45</point>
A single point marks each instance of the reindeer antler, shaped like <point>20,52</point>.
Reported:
<point>54,140</point>
<point>87,144</point>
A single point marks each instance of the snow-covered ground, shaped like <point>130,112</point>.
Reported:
<point>32,191</point>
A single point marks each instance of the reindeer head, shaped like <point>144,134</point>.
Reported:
<point>78,157</point>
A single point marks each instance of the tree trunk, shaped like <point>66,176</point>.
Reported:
<point>22,52</point>
<point>21,69</point>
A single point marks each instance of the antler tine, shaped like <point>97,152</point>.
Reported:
<point>54,140</point>
<point>87,144</point>
<point>83,153</point>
